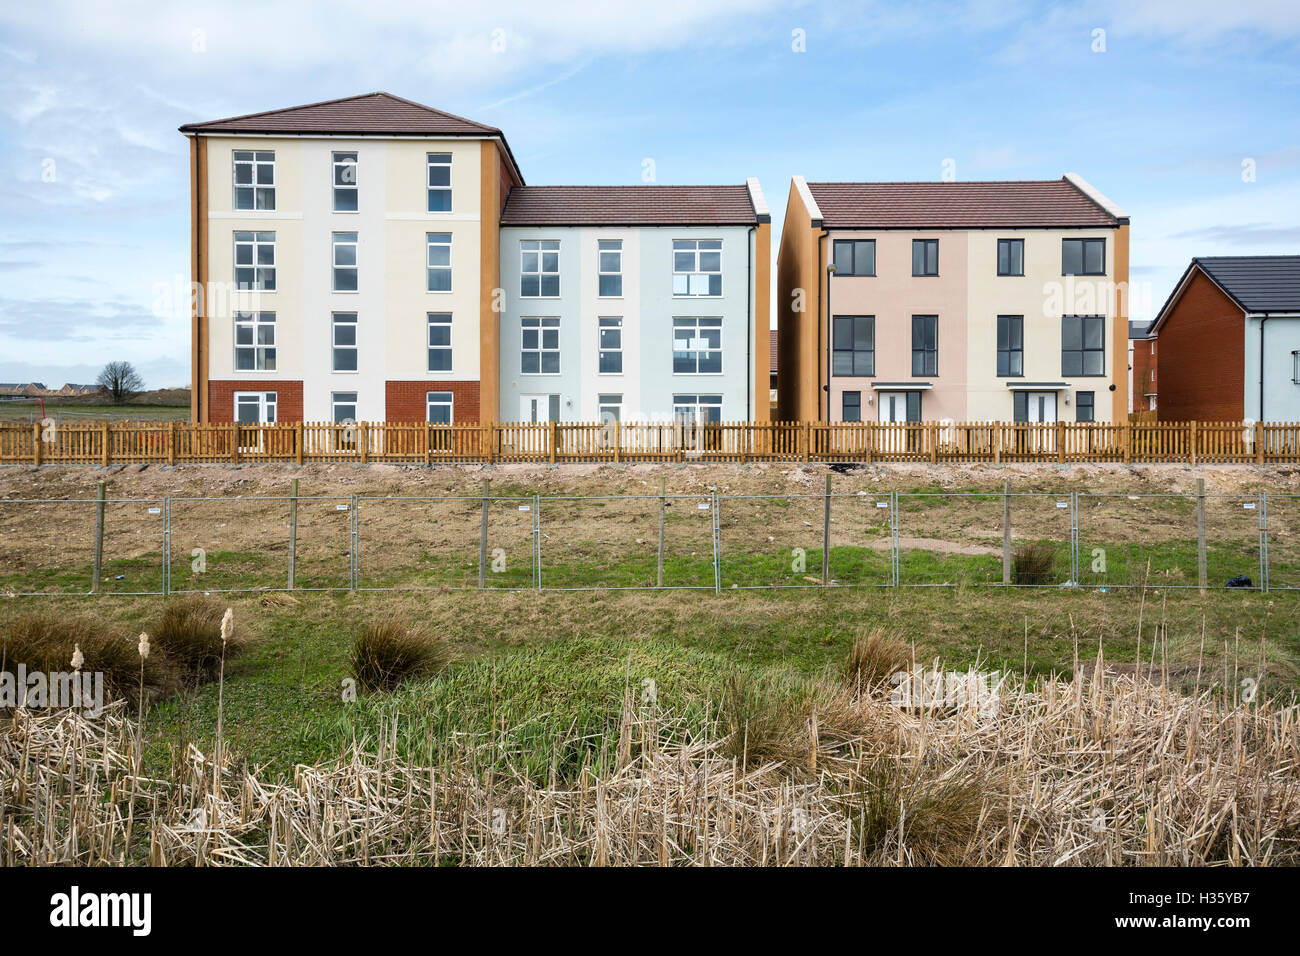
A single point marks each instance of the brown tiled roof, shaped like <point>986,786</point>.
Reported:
<point>628,206</point>
<point>771,350</point>
<point>1041,203</point>
<point>368,113</point>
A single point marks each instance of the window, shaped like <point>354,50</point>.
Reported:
<point>255,261</point>
<point>439,182</point>
<point>703,409</point>
<point>439,344</point>
<point>345,341</point>
<point>697,345</point>
<point>1083,257</point>
<point>345,262</point>
<point>697,267</point>
<point>437,406</point>
<point>540,348</point>
<point>925,345</point>
<point>1011,345</point>
<point>343,407</point>
<point>609,408</point>
<point>852,407</point>
<point>438,263</point>
<point>855,257</point>
<point>539,268</point>
<point>345,182</point>
<point>1295,366</point>
<point>255,408</point>
<point>853,345</point>
<point>1085,406</point>
<point>611,346</point>
<point>610,266</point>
<point>254,179</point>
<point>1083,345</point>
<point>255,341</point>
<point>1011,257</point>
<point>925,257</point>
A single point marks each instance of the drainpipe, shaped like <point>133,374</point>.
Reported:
<point>749,327</point>
<point>823,328</point>
<point>1262,320</point>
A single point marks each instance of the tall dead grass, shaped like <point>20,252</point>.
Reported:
<point>1094,770</point>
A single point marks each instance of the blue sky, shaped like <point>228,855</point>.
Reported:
<point>94,219</point>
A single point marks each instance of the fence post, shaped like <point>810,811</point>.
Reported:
<point>1191,442</point>
<point>293,531</point>
<point>171,443</point>
<point>934,443</point>
<point>482,538</point>
<point>553,439</point>
<point>1060,443</point>
<point>99,539</point>
<point>103,451</point>
<point>1126,436</point>
<point>717,546</point>
<point>1259,443</point>
<point>363,442</point>
<point>807,441</point>
<point>1263,539</point>
<point>826,534</point>
<point>659,580</point>
<point>298,435</point>
<point>356,545</point>
<point>1201,575</point>
<point>234,443</point>
<point>997,443</point>
<point>36,443</point>
<point>1006,532</point>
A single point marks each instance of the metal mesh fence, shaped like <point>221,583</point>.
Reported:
<point>142,546</point>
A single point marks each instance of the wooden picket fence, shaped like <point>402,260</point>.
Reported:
<point>553,442</point>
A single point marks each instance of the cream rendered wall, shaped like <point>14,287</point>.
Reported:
<point>1038,296</point>
<point>408,222</point>
<point>286,222</point>
<point>593,307</point>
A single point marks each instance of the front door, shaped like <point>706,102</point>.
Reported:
<point>538,408</point>
<point>1036,408</point>
<point>898,408</point>
<point>1041,407</point>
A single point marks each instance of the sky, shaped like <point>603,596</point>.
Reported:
<point>1186,113</point>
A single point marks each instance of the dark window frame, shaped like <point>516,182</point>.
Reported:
<point>927,244</point>
<point>1020,243</point>
<point>845,406</point>
<point>927,353</point>
<point>1083,256</point>
<point>1084,350</point>
<point>1004,368</point>
<point>852,245</point>
<point>1079,406</point>
<point>853,352</point>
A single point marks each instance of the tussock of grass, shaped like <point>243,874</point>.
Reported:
<point>44,640</point>
<point>189,634</point>
<point>873,659</point>
<point>1032,563</point>
<point>387,652</point>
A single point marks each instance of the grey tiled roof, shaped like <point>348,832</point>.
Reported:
<point>628,206</point>
<point>1257,283</point>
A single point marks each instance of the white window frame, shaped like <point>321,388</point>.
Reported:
<point>614,323</point>
<point>1295,368</point>
<point>435,240</point>
<point>714,324</point>
<point>695,404</point>
<point>539,248</point>
<point>602,272</point>
<point>261,272</point>
<point>255,160</point>
<point>344,180</point>
<point>429,166</point>
<point>434,320</point>
<point>341,241</point>
<point>695,251</point>
<point>429,404</point>
<point>267,403</point>
<point>607,400</point>
<point>255,322</point>
<point>539,325</point>
<point>340,320</point>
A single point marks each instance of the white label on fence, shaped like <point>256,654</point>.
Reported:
<point>882,504</point>
<point>525,507</point>
<point>1134,497</point>
<point>340,507</point>
<point>155,511</point>
<point>1249,505</point>
<point>703,506</point>
<point>1062,504</point>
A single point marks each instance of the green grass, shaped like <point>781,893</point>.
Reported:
<point>74,412</point>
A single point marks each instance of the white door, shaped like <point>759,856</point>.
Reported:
<point>534,408</point>
<point>893,406</point>
<point>1040,407</point>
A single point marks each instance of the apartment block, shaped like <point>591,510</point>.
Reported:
<point>980,301</point>
<point>374,259</point>
<point>635,303</point>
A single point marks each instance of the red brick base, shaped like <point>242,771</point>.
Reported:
<point>405,401</point>
<point>288,398</point>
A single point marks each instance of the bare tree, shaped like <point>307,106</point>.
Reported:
<point>120,381</point>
